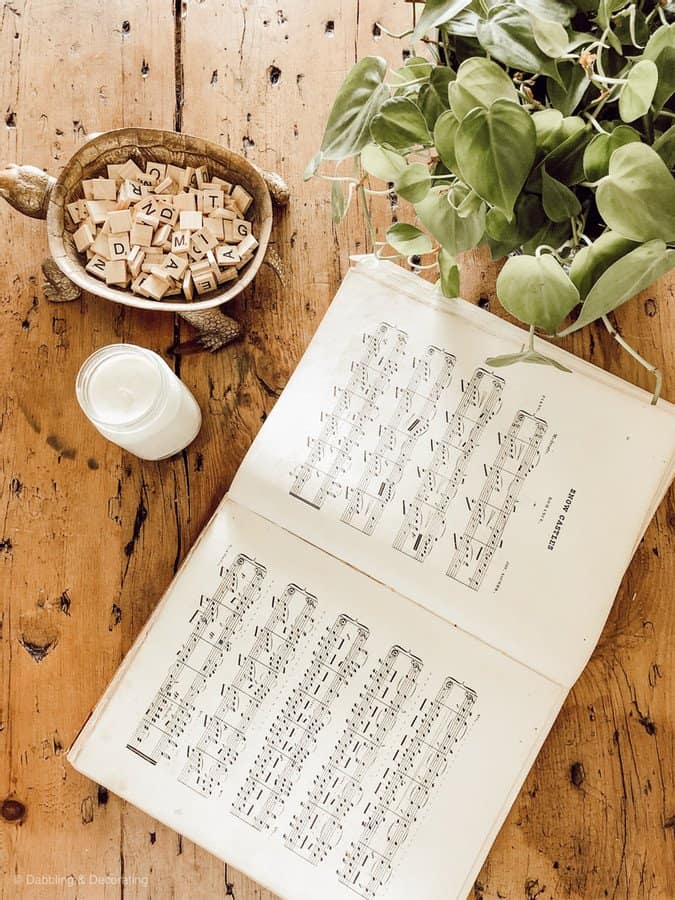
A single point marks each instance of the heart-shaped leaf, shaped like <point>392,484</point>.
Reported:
<point>433,98</point>
<point>637,198</point>
<point>382,163</point>
<point>553,10</point>
<point>559,201</point>
<point>638,91</point>
<point>529,218</point>
<point>566,161</point>
<point>400,125</point>
<point>361,95</point>
<point>465,201</point>
<point>479,82</point>
<point>599,152</point>
<point>550,36</point>
<point>445,135</point>
<point>665,63</point>
<point>408,240</point>
<point>662,38</point>
<point>452,232</point>
<point>548,125</point>
<point>449,271</point>
<point>567,92</point>
<point>536,290</point>
<point>463,24</point>
<point>435,13</point>
<point>312,166</point>
<point>495,149</point>
<point>589,263</point>
<point>623,279</point>
<point>525,356</point>
<point>413,183</point>
<point>507,36</point>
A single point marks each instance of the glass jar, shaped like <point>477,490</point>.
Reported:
<point>133,398</point>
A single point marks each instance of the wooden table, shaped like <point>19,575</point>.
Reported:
<point>91,536</point>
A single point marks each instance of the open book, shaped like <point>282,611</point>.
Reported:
<point>345,685</point>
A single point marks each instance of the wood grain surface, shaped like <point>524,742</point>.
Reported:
<point>90,536</point>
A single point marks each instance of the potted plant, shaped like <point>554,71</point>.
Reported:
<point>542,128</point>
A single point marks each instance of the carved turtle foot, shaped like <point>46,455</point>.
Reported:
<point>214,328</point>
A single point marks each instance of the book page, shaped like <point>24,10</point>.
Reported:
<point>311,727</point>
<point>508,500</point>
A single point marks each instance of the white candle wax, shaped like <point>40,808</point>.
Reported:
<point>133,398</point>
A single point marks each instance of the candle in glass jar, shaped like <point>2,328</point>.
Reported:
<point>133,398</point>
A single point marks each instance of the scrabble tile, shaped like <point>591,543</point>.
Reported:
<point>201,175</point>
<point>116,272</point>
<point>76,211</point>
<point>224,214</point>
<point>175,265</point>
<point>147,211</point>
<point>221,183</point>
<point>83,237</point>
<point>141,234</point>
<point>156,170</point>
<point>118,246</point>
<point>165,186</point>
<point>96,267</point>
<point>100,245</point>
<point>180,176</point>
<point>130,192</point>
<point>215,226</point>
<point>119,221</point>
<point>131,171</point>
<point>242,229</point>
<point>200,242</point>
<point>98,209</point>
<point>168,214</point>
<point>247,245</point>
<point>155,286</point>
<point>241,198</point>
<point>211,200</point>
<point>205,282</point>
<point>227,255</point>
<point>229,273</point>
<point>88,188</point>
<point>136,283</point>
<point>136,264</point>
<point>185,202</point>
<point>188,285</point>
<point>161,235</point>
<point>103,189</point>
<point>115,172</point>
<point>180,241</point>
<point>190,221</point>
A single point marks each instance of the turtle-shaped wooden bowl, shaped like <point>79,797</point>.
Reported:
<point>37,194</point>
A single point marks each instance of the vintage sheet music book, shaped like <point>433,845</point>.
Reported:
<point>348,680</point>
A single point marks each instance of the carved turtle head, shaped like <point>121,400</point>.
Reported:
<point>26,188</point>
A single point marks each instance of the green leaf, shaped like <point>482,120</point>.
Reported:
<point>551,37</point>
<point>606,8</point>
<point>415,67</point>
<point>413,183</point>
<point>400,125</point>
<point>479,82</point>
<point>552,234</point>
<point>338,201</point>
<point>462,25</point>
<point>445,135</point>
<point>665,63</point>
<point>548,125</point>
<point>623,279</point>
<point>525,356</point>
<point>598,153</point>
<point>360,97</point>
<point>495,149</point>
<point>529,218</point>
<point>665,147</point>
<point>662,38</point>
<point>435,13</point>
<point>566,161</point>
<point>589,263</point>
<point>464,200</point>
<point>507,36</point>
<point>433,97</point>
<point>408,240</point>
<point>567,92</point>
<point>553,10</point>
<point>449,271</point>
<point>312,166</point>
<point>382,163</point>
<point>536,290</point>
<point>559,201</point>
<point>452,232</point>
<point>637,198</point>
<point>638,91</point>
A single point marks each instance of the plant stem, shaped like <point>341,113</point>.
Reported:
<point>530,343</point>
<point>656,372</point>
<point>366,213</point>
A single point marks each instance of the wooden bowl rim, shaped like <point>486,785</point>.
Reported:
<point>144,137</point>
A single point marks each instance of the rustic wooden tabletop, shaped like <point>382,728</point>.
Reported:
<point>92,536</point>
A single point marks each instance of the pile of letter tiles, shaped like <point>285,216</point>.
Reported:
<point>165,232</point>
